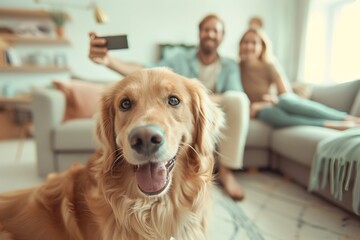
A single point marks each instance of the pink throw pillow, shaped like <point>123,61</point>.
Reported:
<point>82,98</point>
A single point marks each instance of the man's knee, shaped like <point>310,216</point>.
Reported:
<point>235,97</point>
<point>233,101</point>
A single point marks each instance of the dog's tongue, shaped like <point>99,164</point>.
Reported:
<point>151,177</point>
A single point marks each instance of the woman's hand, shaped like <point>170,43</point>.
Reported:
<point>257,106</point>
<point>270,98</point>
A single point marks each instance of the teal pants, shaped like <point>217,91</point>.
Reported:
<point>292,110</point>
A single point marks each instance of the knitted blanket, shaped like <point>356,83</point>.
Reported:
<point>335,159</point>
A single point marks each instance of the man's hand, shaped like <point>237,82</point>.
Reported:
<point>98,53</point>
<point>216,97</point>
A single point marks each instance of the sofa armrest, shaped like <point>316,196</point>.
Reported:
<point>48,110</point>
<point>355,109</point>
<point>339,96</point>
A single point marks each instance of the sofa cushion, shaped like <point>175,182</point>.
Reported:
<point>259,134</point>
<point>299,143</point>
<point>75,135</point>
<point>82,97</point>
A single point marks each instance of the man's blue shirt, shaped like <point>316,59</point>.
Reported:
<point>187,64</point>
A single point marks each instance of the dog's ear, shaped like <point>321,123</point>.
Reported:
<point>208,118</point>
<point>105,124</point>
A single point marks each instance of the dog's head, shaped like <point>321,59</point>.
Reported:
<point>156,126</point>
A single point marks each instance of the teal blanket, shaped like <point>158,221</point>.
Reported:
<point>335,159</point>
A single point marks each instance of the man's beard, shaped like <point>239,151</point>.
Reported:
<point>208,50</point>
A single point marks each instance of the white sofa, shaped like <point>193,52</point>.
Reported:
<point>287,150</point>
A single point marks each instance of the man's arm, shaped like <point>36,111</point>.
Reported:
<point>124,68</point>
<point>100,55</point>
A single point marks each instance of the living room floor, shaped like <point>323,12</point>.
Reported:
<point>273,209</point>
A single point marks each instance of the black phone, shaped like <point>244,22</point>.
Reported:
<point>116,42</point>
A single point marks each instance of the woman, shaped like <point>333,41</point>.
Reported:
<point>259,74</point>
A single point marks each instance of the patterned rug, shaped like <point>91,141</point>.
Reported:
<point>229,222</point>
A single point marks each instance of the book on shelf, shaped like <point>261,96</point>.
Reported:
<point>12,57</point>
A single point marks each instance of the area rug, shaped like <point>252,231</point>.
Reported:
<point>229,221</point>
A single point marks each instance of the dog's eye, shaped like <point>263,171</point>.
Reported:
<point>125,105</point>
<point>173,101</point>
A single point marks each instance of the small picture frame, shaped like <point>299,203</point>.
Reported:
<point>169,50</point>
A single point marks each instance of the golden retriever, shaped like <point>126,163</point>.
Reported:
<point>150,178</point>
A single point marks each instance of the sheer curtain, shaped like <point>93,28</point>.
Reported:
<point>303,10</point>
<point>331,42</point>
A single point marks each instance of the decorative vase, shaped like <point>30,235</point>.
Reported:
<point>60,32</point>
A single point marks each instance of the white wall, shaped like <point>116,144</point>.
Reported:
<point>150,22</point>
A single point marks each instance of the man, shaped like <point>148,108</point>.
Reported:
<point>220,75</point>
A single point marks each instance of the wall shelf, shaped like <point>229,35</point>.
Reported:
<point>14,38</point>
<point>22,43</point>
<point>33,69</point>
<point>25,13</point>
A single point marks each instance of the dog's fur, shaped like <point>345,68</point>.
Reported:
<point>103,200</point>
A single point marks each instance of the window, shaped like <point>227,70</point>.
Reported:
<point>333,42</point>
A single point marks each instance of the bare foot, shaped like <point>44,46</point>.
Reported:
<point>341,125</point>
<point>227,179</point>
<point>353,118</point>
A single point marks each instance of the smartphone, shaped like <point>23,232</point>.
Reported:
<point>116,42</point>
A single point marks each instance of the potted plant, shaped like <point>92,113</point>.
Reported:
<point>59,18</point>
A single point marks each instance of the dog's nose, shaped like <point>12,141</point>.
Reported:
<point>146,139</point>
